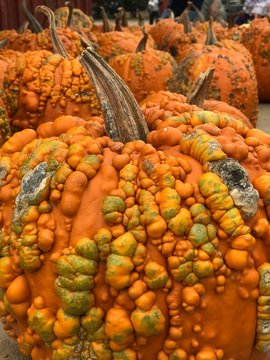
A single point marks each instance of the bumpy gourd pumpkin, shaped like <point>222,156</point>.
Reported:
<point>145,70</point>
<point>163,30</point>
<point>68,16</point>
<point>40,39</point>
<point>234,80</point>
<point>171,260</point>
<point>157,106</point>
<point>39,86</point>
<point>256,38</point>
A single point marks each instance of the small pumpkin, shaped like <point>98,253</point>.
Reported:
<point>40,85</point>
<point>144,70</point>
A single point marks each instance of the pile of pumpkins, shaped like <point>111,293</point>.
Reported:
<point>134,231</point>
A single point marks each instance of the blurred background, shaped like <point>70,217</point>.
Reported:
<point>11,14</point>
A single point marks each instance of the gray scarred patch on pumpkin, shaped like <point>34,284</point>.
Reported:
<point>235,177</point>
<point>35,187</point>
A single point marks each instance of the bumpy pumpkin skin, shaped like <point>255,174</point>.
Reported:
<point>234,80</point>
<point>79,19</point>
<point>157,106</point>
<point>130,252</point>
<point>40,86</point>
<point>29,41</point>
<point>256,39</point>
<point>114,43</point>
<point>163,32</point>
<point>144,72</point>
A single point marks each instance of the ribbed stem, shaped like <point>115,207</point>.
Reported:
<point>201,88</point>
<point>70,6</point>
<point>118,22</point>
<point>142,44</point>
<point>3,43</point>
<point>123,118</point>
<point>57,44</point>
<point>124,20</point>
<point>211,38</point>
<point>198,12</point>
<point>184,19</point>
<point>23,27</point>
<point>105,19</point>
<point>34,24</point>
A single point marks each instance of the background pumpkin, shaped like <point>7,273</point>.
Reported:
<point>256,39</point>
<point>144,70</point>
<point>40,85</point>
<point>234,80</point>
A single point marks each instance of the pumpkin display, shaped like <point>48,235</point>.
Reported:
<point>40,39</point>
<point>145,70</point>
<point>117,41</point>
<point>40,85</point>
<point>234,80</point>
<point>172,235</point>
<point>256,39</point>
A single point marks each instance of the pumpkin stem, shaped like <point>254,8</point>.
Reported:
<point>222,22</point>
<point>70,6</point>
<point>171,14</point>
<point>57,44</point>
<point>3,43</point>
<point>198,12</point>
<point>184,19</point>
<point>140,18</point>
<point>118,22</point>
<point>105,19</point>
<point>33,22</point>
<point>142,44</point>
<point>201,87</point>
<point>23,27</point>
<point>211,38</point>
<point>123,118</point>
<point>124,20</point>
<point>87,43</point>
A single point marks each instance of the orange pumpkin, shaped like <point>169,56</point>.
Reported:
<point>145,70</point>
<point>234,80</point>
<point>39,86</point>
<point>256,40</point>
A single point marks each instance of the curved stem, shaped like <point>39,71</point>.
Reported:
<point>106,23</point>
<point>171,14</point>
<point>140,18</point>
<point>123,16</point>
<point>34,23</point>
<point>23,27</point>
<point>142,44</point>
<point>123,118</point>
<point>87,43</point>
<point>118,21</point>
<point>70,6</point>
<point>198,12</point>
<point>222,22</point>
<point>3,43</point>
<point>211,38</point>
<point>57,44</point>
<point>201,88</point>
<point>184,19</point>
